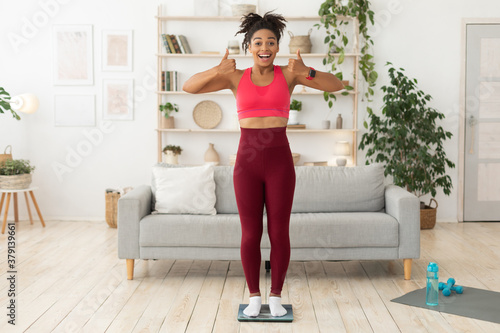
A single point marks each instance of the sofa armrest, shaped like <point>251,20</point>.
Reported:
<point>405,207</point>
<point>132,207</point>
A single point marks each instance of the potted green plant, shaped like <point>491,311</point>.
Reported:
<point>335,15</point>
<point>15,174</point>
<point>408,140</point>
<point>171,154</point>
<point>167,121</point>
<point>295,108</point>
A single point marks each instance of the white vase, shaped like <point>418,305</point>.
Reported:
<point>293,117</point>
<point>171,158</point>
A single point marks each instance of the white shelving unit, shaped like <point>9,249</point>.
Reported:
<point>162,95</point>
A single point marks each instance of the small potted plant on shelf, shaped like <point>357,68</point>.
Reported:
<point>171,154</point>
<point>295,108</point>
<point>408,140</point>
<point>15,174</point>
<point>167,121</point>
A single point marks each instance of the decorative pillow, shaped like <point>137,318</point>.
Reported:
<point>189,190</point>
<point>224,190</point>
<point>333,189</point>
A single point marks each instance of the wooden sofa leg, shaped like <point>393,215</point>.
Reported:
<point>407,268</point>
<point>130,269</point>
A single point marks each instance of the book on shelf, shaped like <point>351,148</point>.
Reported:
<point>184,44</point>
<point>165,43</point>
<point>176,44</point>
<point>178,38</point>
<point>170,44</point>
<point>169,81</point>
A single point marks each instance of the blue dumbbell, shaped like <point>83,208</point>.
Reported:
<point>449,287</point>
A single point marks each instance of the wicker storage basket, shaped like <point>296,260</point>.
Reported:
<point>112,208</point>
<point>300,42</point>
<point>15,182</point>
<point>6,156</point>
<point>428,216</point>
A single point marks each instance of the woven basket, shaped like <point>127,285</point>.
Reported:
<point>207,114</point>
<point>112,208</point>
<point>428,216</point>
<point>300,42</point>
<point>6,156</point>
<point>15,182</point>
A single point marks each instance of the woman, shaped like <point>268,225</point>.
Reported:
<point>264,173</point>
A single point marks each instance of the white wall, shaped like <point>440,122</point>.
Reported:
<point>126,150</point>
<point>424,37</point>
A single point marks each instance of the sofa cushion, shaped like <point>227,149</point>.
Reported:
<point>185,190</point>
<point>341,230</point>
<point>339,189</point>
<point>310,230</point>
<point>224,190</point>
<point>221,230</point>
<point>153,180</point>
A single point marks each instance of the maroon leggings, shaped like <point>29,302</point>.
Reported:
<point>264,175</point>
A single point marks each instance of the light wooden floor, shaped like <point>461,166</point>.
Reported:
<point>70,280</point>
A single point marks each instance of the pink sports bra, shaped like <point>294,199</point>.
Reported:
<point>272,100</point>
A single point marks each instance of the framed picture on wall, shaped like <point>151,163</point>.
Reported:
<point>74,110</point>
<point>117,50</point>
<point>72,55</point>
<point>118,99</point>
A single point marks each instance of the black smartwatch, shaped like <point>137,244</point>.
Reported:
<point>312,73</point>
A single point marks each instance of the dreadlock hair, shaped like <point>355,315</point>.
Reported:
<point>253,22</point>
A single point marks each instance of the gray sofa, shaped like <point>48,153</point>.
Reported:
<point>338,214</point>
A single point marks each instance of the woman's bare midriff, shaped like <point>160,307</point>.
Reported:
<point>263,122</point>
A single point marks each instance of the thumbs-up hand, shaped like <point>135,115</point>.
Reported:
<point>298,54</point>
<point>297,66</point>
<point>226,66</point>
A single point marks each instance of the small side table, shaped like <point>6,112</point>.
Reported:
<point>8,194</point>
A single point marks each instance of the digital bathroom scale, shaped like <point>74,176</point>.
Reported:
<point>265,314</point>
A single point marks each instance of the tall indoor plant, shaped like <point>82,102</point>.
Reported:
<point>334,15</point>
<point>407,139</point>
